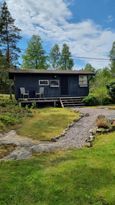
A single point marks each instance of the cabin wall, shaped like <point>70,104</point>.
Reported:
<point>31,84</point>
<point>74,89</point>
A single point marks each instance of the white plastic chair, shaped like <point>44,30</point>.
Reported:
<point>24,93</point>
<point>40,93</point>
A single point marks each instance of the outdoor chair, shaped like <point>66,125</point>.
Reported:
<point>40,93</point>
<point>24,93</point>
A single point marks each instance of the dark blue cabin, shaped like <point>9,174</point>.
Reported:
<point>50,83</point>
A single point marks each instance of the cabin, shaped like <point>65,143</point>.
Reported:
<point>60,87</point>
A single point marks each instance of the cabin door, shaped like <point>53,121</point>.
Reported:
<point>64,86</point>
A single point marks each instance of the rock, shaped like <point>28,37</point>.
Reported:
<point>12,133</point>
<point>63,133</point>
<point>87,115</point>
<point>102,130</point>
<point>88,144</point>
<point>82,115</point>
<point>91,131</point>
<point>43,148</point>
<point>54,139</point>
<point>19,154</point>
<point>1,135</point>
<point>71,125</point>
<point>91,137</point>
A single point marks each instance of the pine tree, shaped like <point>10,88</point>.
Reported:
<point>4,80</point>
<point>55,57</point>
<point>89,67</point>
<point>9,36</point>
<point>66,61</point>
<point>112,58</point>
<point>34,57</point>
<point>2,61</point>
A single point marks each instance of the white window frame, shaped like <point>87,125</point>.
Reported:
<point>55,86</point>
<point>83,81</point>
<point>41,84</point>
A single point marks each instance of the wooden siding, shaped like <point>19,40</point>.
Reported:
<point>31,84</point>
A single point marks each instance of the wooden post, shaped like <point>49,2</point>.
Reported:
<point>54,103</point>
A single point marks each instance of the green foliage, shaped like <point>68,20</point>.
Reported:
<point>34,57</point>
<point>90,100</point>
<point>89,67</point>
<point>11,114</point>
<point>112,58</point>
<point>8,119</point>
<point>106,100</point>
<point>72,177</point>
<point>55,57</point>
<point>66,61</point>
<point>98,85</point>
<point>111,90</point>
<point>3,64</point>
<point>9,36</point>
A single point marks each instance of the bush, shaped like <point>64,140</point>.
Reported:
<point>90,100</point>
<point>111,90</point>
<point>8,120</point>
<point>106,101</point>
<point>2,127</point>
<point>10,113</point>
<point>103,122</point>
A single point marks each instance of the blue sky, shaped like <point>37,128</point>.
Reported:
<point>88,26</point>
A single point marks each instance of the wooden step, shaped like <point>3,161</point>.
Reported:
<point>73,105</point>
<point>67,102</point>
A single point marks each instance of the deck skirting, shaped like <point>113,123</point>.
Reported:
<point>60,101</point>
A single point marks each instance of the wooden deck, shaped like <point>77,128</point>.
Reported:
<point>55,101</point>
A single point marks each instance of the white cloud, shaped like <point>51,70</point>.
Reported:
<point>51,19</point>
<point>110,19</point>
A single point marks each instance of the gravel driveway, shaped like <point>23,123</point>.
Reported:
<point>74,138</point>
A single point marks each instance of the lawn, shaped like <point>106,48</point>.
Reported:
<point>73,177</point>
<point>39,124</point>
<point>47,123</point>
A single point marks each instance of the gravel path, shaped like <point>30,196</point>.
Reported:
<point>74,138</point>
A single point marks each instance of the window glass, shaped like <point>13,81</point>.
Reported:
<point>83,81</point>
<point>54,83</point>
<point>44,82</point>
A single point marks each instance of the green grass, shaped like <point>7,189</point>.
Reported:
<point>74,177</point>
<point>47,123</point>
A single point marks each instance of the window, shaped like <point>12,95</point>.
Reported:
<point>44,82</point>
<point>83,81</point>
<point>54,83</point>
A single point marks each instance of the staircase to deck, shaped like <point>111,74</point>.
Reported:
<point>71,102</point>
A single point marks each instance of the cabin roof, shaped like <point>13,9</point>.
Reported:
<point>33,71</point>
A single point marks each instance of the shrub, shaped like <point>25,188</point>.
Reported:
<point>8,120</point>
<point>111,90</point>
<point>10,113</point>
<point>90,100</point>
<point>2,127</point>
<point>103,122</point>
<point>106,101</point>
